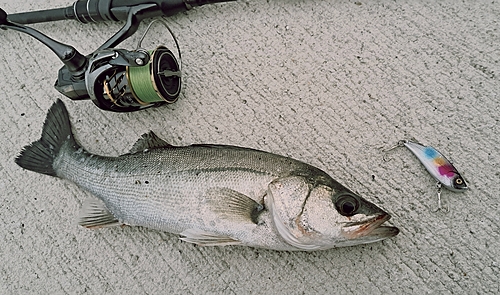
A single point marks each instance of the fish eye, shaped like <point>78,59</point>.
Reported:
<point>347,204</point>
<point>459,181</point>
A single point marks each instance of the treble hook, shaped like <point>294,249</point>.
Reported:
<point>440,206</point>
<point>400,143</point>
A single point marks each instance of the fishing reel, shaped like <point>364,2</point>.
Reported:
<point>114,79</point>
<point>123,80</point>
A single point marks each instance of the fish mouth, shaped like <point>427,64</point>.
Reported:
<point>370,228</point>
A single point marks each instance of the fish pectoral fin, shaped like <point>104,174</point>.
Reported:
<point>233,205</point>
<point>94,214</point>
<point>148,141</point>
<point>204,238</point>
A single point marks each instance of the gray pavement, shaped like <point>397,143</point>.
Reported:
<point>328,82</point>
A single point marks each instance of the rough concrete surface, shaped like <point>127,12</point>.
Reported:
<point>328,82</point>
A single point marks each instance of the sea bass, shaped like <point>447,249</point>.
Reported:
<point>208,194</point>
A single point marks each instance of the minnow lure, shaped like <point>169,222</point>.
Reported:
<point>438,166</point>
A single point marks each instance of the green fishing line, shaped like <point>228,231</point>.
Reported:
<point>141,81</point>
<point>159,80</point>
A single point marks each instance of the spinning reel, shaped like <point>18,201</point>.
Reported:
<point>117,80</point>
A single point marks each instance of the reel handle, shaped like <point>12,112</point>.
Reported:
<point>71,58</point>
<point>107,76</point>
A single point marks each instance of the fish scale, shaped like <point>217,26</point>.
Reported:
<point>209,194</point>
<point>180,183</point>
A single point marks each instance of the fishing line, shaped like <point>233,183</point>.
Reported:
<point>158,80</point>
<point>115,79</point>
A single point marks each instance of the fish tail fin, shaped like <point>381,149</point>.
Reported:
<point>39,156</point>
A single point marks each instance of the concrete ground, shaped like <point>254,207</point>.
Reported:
<point>331,83</point>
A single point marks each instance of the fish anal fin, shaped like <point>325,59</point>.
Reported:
<point>204,238</point>
<point>233,205</point>
<point>94,215</point>
<point>148,141</point>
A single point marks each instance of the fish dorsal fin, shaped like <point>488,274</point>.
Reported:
<point>94,214</point>
<point>204,238</point>
<point>148,141</point>
<point>233,205</point>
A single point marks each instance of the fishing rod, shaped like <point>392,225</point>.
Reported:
<point>86,11</point>
<point>114,79</point>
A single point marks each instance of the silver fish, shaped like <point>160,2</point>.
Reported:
<point>208,194</point>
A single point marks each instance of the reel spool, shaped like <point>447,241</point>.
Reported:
<point>159,80</point>
<point>114,79</point>
<point>125,87</point>
<point>134,86</point>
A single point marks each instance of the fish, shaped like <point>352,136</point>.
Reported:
<point>438,166</point>
<point>207,194</point>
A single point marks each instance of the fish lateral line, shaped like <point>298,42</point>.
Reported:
<point>206,210</point>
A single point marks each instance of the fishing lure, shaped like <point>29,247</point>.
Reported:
<point>438,166</point>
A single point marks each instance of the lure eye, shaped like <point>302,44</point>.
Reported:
<point>459,183</point>
<point>347,204</point>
